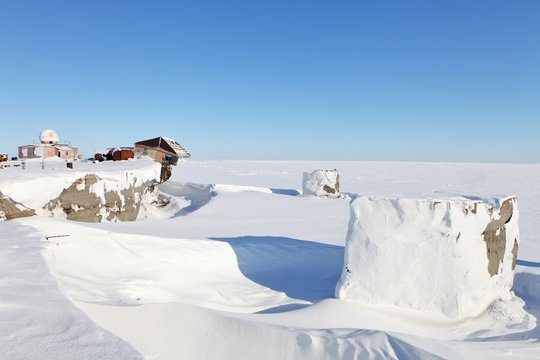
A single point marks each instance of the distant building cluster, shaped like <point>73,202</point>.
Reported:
<point>47,148</point>
<point>163,150</point>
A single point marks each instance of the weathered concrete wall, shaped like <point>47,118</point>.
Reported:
<point>91,199</point>
<point>495,236</point>
<point>452,256</point>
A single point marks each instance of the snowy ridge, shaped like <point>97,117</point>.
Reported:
<point>38,321</point>
<point>244,339</point>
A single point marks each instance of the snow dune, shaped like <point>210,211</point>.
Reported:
<point>97,266</point>
<point>170,331</point>
<point>37,319</point>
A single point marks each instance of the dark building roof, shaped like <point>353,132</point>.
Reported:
<point>167,145</point>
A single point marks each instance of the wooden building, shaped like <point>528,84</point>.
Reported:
<point>163,150</point>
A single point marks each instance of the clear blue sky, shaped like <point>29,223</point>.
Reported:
<point>329,80</point>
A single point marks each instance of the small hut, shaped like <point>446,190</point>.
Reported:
<point>161,149</point>
<point>165,151</point>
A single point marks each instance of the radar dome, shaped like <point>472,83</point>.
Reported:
<point>48,137</point>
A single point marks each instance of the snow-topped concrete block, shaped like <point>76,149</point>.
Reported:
<point>93,199</point>
<point>451,256</point>
<point>321,182</point>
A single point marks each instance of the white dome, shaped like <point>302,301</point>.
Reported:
<point>48,137</point>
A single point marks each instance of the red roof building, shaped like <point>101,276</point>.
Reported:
<point>161,149</point>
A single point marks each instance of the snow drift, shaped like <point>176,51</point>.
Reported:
<point>453,257</point>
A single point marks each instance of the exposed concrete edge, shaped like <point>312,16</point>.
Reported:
<point>11,209</point>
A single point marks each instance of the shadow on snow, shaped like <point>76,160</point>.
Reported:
<point>304,270</point>
<point>527,263</point>
<point>290,192</point>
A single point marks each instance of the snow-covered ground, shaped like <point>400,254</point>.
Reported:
<point>239,266</point>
